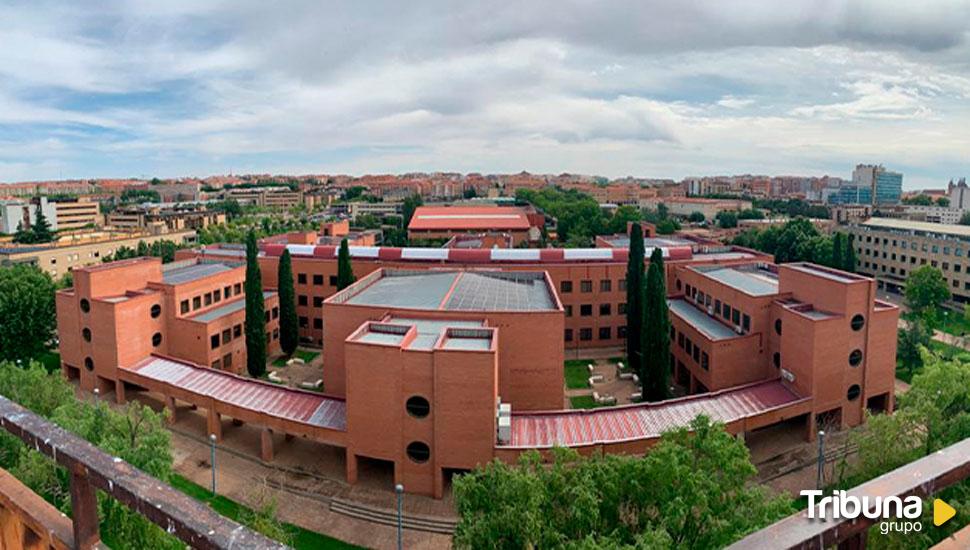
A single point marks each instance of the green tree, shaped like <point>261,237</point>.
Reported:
<point>655,369</point>
<point>667,226</point>
<point>577,214</point>
<point>408,207</point>
<point>42,228</point>
<point>838,250</point>
<point>727,219</point>
<point>693,490</point>
<point>696,217</point>
<point>911,339</point>
<point>791,246</point>
<point>345,272</point>
<point>925,290</point>
<point>965,219</point>
<point>255,312</point>
<point>289,322</point>
<point>27,316</point>
<point>848,256</point>
<point>943,201</point>
<point>634,297</point>
<point>622,217</point>
<point>23,236</point>
<point>919,200</point>
<point>470,193</point>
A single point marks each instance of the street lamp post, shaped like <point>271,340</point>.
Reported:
<point>820,476</point>
<point>212,460</point>
<point>399,489</point>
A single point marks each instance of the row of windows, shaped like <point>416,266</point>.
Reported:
<point>209,298</point>
<point>301,279</point>
<point>691,349</point>
<point>317,322</point>
<point>586,334</point>
<point>902,273</point>
<point>606,285</point>
<point>586,310</point>
<point>717,308</point>
<point>304,300</point>
<point>228,335</point>
<point>934,248</point>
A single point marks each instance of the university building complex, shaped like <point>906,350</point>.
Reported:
<point>439,360</point>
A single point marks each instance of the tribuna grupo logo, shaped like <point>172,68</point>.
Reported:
<point>894,513</point>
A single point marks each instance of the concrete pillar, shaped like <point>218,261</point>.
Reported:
<point>266,444</point>
<point>351,467</point>
<point>172,409</point>
<point>84,509</point>
<point>214,424</point>
<point>120,393</point>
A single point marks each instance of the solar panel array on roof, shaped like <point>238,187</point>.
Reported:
<point>192,273</point>
<point>500,292</point>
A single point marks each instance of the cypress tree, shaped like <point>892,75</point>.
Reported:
<point>838,249</point>
<point>345,273</point>
<point>289,323</point>
<point>634,297</point>
<point>655,371</point>
<point>255,311</point>
<point>42,228</point>
<point>849,257</point>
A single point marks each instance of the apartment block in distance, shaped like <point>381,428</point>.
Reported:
<point>121,313</point>
<point>76,213</point>
<point>889,249</point>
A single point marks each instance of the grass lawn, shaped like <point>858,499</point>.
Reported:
<point>307,356</point>
<point>582,402</point>
<point>577,375</point>
<point>300,537</point>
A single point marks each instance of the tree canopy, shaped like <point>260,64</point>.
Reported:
<point>925,289</point>
<point>289,321</point>
<point>799,241</point>
<point>692,490</point>
<point>26,310</point>
<point>655,340</point>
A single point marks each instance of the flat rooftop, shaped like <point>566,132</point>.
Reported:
<point>925,227</point>
<point>623,241</point>
<point>191,273</point>
<point>228,308</point>
<point>700,320</point>
<point>431,218</point>
<point>752,281</point>
<point>457,291</point>
<point>457,334</point>
<point>826,273</point>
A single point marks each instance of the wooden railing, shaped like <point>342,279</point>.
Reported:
<point>29,522</point>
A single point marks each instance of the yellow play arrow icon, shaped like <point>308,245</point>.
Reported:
<point>942,512</point>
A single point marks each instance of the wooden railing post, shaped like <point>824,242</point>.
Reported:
<point>84,510</point>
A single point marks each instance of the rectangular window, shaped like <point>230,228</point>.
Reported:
<point>301,278</point>
<point>606,285</point>
<point>217,296</point>
<point>622,284</point>
<point>736,316</point>
<point>585,334</point>
<point>705,361</point>
<point>237,289</point>
<point>605,333</point>
<point>301,300</point>
<point>333,281</point>
<point>267,315</point>
<point>276,334</point>
<point>197,302</point>
<point>568,310</point>
<point>317,322</point>
<point>745,323</point>
<point>304,322</point>
<point>318,301</point>
<point>208,298</point>
<point>227,292</point>
<point>585,310</point>
<point>727,312</point>
<point>697,354</point>
<point>605,309</point>
<point>717,307</point>
<point>586,286</point>
<point>680,340</point>
<point>214,341</point>
<point>565,287</point>
<point>216,364</point>
<point>227,360</point>
<point>688,290</point>
<point>318,280</point>
<point>568,336</point>
<point>689,347</point>
<point>237,331</point>
<point>276,313</point>
<point>184,306</point>
<point>226,336</point>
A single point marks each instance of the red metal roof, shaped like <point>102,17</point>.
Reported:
<point>463,218</point>
<point>457,255</point>
<point>262,397</point>
<point>578,428</point>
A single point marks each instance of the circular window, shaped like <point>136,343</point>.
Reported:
<point>418,451</point>
<point>776,359</point>
<point>156,311</point>
<point>778,327</point>
<point>853,393</point>
<point>157,339</point>
<point>858,321</point>
<point>85,305</point>
<point>418,406</point>
<point>86,334</point>
<point>855,357</point>
<point>89,363</point>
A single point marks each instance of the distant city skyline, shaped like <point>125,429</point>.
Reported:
<point>646,89</point>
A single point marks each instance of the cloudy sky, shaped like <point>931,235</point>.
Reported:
<point>645,88</point>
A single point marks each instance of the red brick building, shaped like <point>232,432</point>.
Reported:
<point>432,222</point>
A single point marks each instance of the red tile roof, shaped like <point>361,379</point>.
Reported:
<point>579,428</point>
<point>431,218</point>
